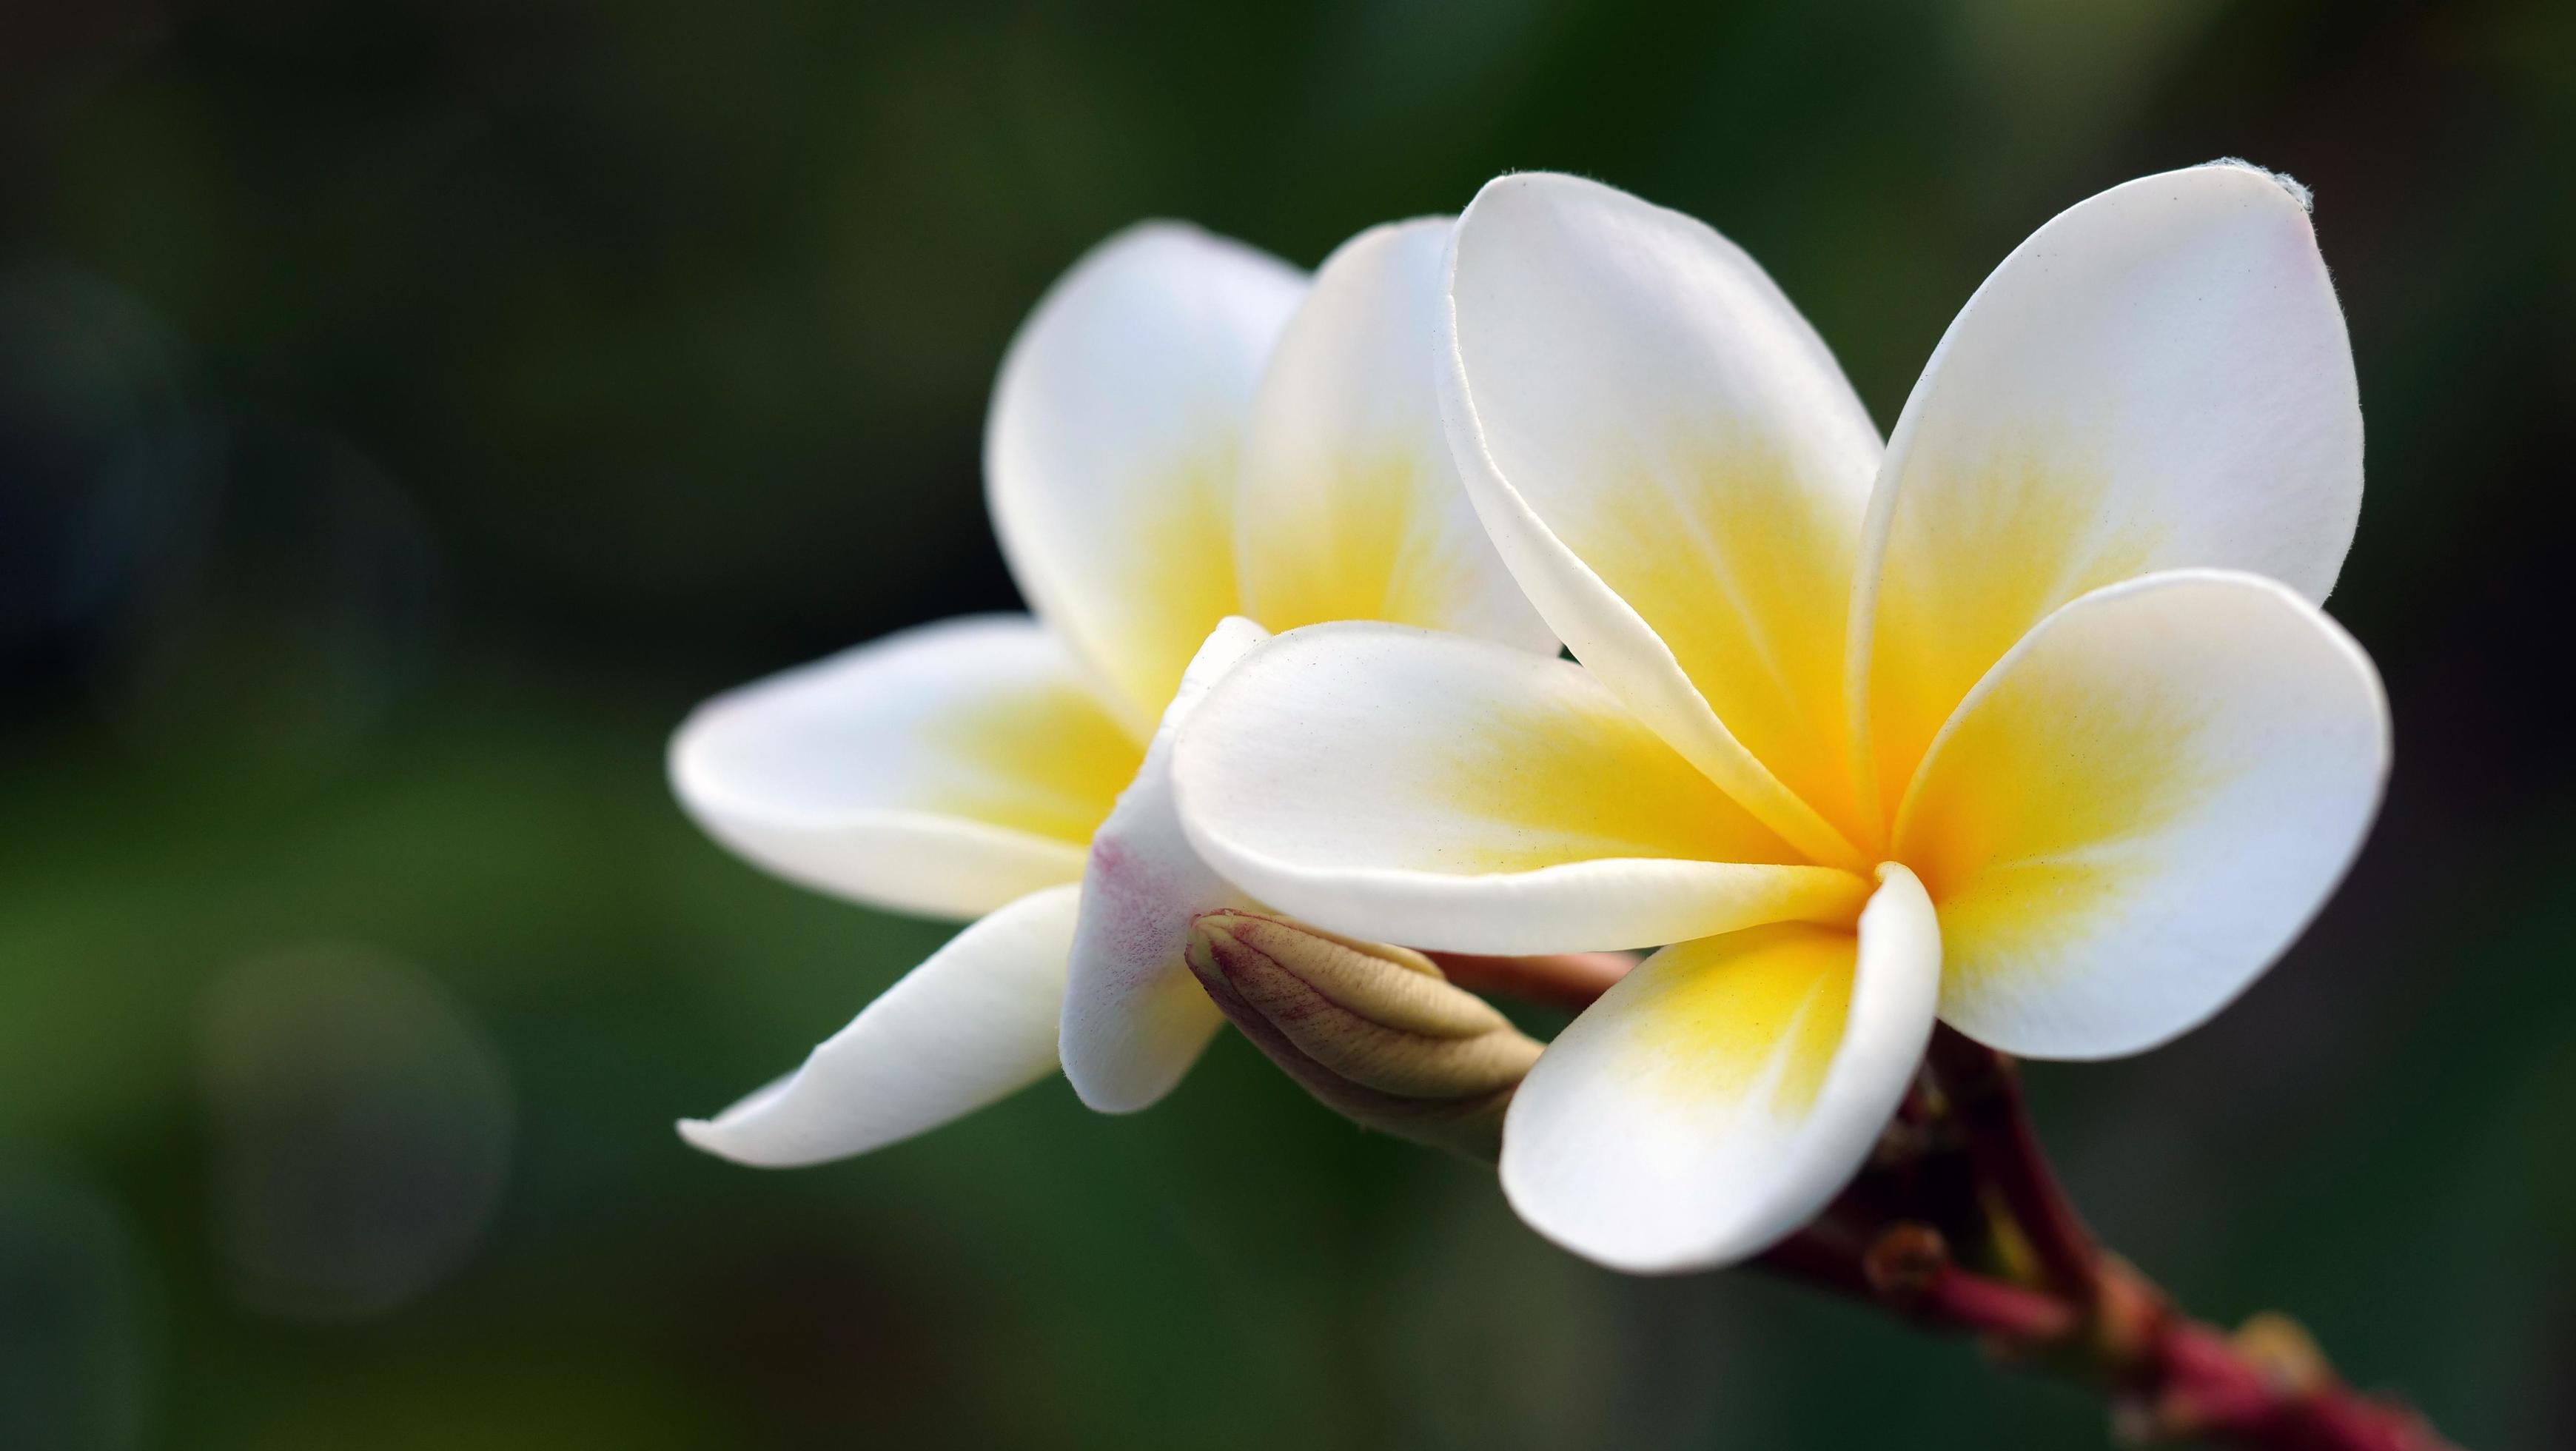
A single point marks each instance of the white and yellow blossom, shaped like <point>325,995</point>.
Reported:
<point>1184,433</point>
<point>2028,719</point>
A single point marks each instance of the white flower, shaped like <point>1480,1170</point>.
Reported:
<point>1184,432</point>
<point>2028,720</point>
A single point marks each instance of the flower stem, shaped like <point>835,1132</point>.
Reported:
<point>1566,981</point>
<point>1909,1268</point>
<point>2169,1377</point>
<point>2040,1291</point>
<point>1983,1092</point>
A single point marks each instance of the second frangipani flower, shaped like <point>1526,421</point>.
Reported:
<point>2027,720</point>
<point>1185,433</point>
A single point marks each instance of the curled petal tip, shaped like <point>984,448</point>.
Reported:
<point>2299,191</point>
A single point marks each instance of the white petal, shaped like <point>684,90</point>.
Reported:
<point>2159,378</point>
<point>1726,1090</point>
<point>1111,450</point>
<point>1134,1017</point>
<point>1352,508</point>
<point>943,770</point>
<point>1450,793</point>
<point>973,1024</point>
<point>1676,471</point>
<point>2140,808</point>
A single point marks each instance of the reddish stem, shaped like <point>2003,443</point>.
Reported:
<point>2193,1380</point>
<point>1909,1267</point>
<point>1817,1258</point>
<point>1567,981</point>
<point>2172,1377</point>
<point>1984,1093</point>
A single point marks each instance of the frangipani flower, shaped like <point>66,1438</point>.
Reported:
<point>2028,720</point>
<point>1184,433</point>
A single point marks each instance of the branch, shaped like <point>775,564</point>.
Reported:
<point>2265,1388</point>
<point>1909,1267</point>
<point>1983,1092</point>
<point>1566,981</point>
<point>1962,1152</point>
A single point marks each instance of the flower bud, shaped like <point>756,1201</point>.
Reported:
<point>1375,1032</point>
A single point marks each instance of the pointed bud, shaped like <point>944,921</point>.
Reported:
<point>1375,1032</point>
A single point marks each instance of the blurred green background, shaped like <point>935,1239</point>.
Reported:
<point>407,410</point>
